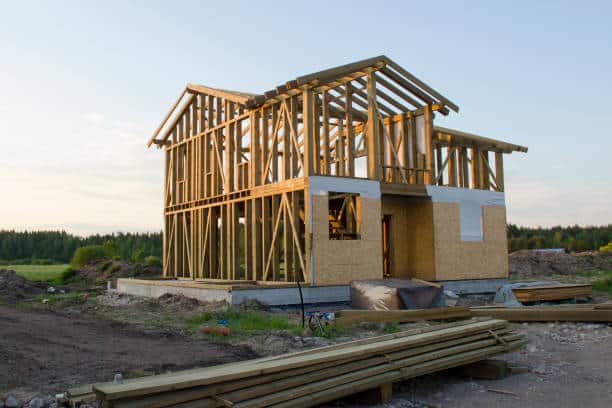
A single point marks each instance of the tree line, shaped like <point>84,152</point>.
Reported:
<point>574,238</point>
<point>59,246</point>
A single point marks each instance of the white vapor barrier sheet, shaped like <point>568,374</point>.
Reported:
<point>470,207</point>
<point>322,185</point>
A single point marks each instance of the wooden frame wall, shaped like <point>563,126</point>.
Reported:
<point>234,189</point>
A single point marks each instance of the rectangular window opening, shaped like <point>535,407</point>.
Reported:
<point>344,216</point>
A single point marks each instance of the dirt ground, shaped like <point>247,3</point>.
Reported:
<point>49,351</point>
<point>46,347</point>
<point>568,367</point>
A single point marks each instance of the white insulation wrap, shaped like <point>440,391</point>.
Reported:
<point>470,207</point>
<point>322,185</point>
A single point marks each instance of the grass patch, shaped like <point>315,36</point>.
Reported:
<point>603,283</point>
<point>242,321</point>
<point>331,331</point>
<point>138,374</point>
<point>391,328</point>
<point>54,274</point>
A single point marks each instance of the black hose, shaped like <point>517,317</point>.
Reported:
<point>302,303</point>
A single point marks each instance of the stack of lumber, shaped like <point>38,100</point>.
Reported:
<point>560,313</point>
<point>346,317</point>
<point>312,377</point>
<point>553,292</point>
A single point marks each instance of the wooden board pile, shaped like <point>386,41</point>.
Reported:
<point>312,377</point>
<point>558,313</point>
<point>552,292</point>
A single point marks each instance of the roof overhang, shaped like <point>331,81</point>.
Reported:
<point>465,138</point>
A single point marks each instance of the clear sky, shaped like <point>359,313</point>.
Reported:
<point>83,85</point>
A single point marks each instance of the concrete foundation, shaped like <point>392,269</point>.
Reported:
<point>236,294</point>
<point>473,286</point>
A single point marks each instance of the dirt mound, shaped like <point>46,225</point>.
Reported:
<point>99,272</point>
<point>13,287</point>
<point>526,263</point>
<point>594,261</point>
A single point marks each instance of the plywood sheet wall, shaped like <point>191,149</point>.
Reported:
<point>340,262</point>
<point>456,259</point>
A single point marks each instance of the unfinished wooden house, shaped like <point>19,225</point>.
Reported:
<point>335,176</point>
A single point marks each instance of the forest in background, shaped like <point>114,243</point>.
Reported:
<point>574,238</point>
<point>59,246</point>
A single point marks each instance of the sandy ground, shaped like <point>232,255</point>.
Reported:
<point>49,351</point>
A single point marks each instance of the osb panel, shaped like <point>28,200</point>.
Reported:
<point>411,237</point>
<point>456,259</point>
<point>340,262</point>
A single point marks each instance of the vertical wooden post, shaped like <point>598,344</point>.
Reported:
<point>350,136</point>
<point>325,113</point>
<point>476,168</point>
<point>430,175</point>
<point>499,170</point>
<point>265,135</point>
<point>373,141</point>
<point>438,150</point>
<point>413,161</point>
<point>340,150</point>
<point>465,172</point>
<point>255,239</point>
<point>275,142</point>
<point>316,136</point>
<point>451,153</point>
<point>309,123</point>
<point>484,170</point>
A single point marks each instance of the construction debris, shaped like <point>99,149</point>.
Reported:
<point>316,376</point>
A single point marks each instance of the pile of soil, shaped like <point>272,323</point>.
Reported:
<point>594,261</point>
<point>14,288</point>
<point>527,263</point>
<point>101,271</point>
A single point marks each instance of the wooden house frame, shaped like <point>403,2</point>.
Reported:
<point>241,171</point>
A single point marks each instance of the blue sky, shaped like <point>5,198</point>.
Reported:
<point>83,85</point>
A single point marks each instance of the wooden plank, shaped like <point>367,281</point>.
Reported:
<point>218,374</point>
<point>499,171</point>
<point>247,389</point>
<point>546,314</point>
<point>345,317</point>
<point>556,292</point>
<point>318,397</point>
<point>373,133</point>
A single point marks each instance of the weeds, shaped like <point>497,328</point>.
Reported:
<point>604,282</point>
<point>240,321</point>
<point>391,328</point>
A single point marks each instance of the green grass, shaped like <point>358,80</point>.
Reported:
<point>54,274</point>
<point>242,321</point>
<point>603,283</point>
<point>391,328</point>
